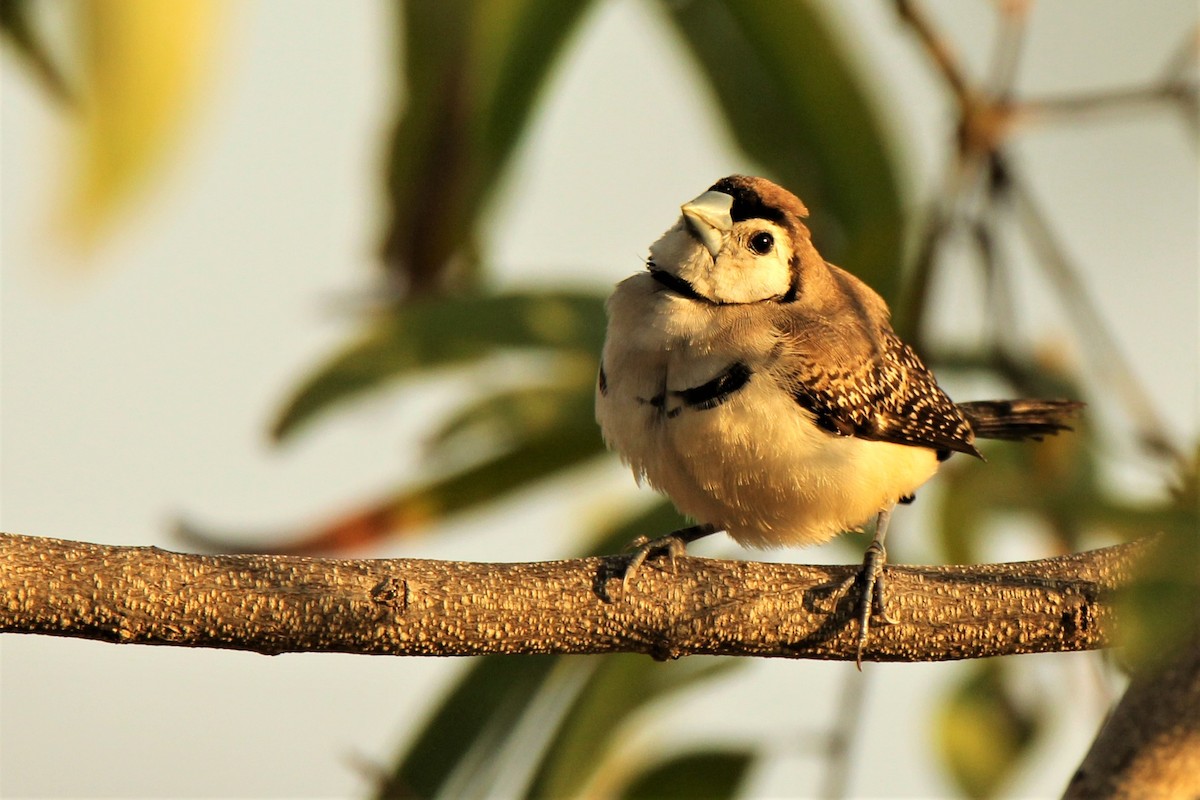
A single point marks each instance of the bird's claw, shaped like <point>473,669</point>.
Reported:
<point>674,544</point>
<point>874,596</point>
<point>643,547</point>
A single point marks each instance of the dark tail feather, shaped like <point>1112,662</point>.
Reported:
<point>1019,419</point>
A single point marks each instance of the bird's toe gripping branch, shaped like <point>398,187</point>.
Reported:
<point>674,544</point>
<point>873,598</point>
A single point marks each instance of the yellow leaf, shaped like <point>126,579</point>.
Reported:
<point>142,65</point>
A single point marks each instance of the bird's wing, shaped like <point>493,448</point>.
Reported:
<point>861,380</point>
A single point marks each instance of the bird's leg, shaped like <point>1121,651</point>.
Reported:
<point>674,543</point>
<point>874,595</point>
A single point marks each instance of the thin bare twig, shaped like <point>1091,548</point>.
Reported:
<point>986,118</point>
<point>939,51</point>
<point>1134,99</point>
<point>1176,87</point>
<point>1106,357</point>
<point>1002,75</point>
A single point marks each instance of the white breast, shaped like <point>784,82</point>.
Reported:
<point>756,465</point>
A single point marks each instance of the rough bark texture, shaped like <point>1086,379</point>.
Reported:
<point>1150,745</point>
<point>279,604</point>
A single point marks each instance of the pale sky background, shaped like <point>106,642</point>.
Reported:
<point>140,387</point>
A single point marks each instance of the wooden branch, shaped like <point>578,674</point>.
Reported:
<point>281,604</point>
<point>1150,745</point>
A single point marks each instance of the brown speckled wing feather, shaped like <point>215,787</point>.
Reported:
<point>877,389</point>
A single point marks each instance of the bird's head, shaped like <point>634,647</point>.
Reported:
<point>742,241</point>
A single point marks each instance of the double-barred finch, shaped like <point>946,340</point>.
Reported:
<point>764,391</point>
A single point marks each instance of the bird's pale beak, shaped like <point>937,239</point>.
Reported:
<point>708,218</point>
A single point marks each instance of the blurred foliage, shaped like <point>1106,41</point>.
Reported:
<point>20,28</point>
<point>440,333</point>
<point>557,718</point>
<point>1162,609</point>
<point>138,69</point>
<point>1013,483</point>
<point>470,71</point>
<point>472,723</point>
<point>500,441</point>
<point>693,776</point>
<point>817,92</point>
<point>583,748</point>
<point>463,744</point>
<point>470,75</point>
<point>804,113</point>
<point>984,730</point>
<point>791,112</point>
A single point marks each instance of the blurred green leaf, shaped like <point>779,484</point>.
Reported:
<point>498,421</point>
<point>470,727</point>
<point>442,332</point>
<point>1056,482</point>
<point>657,520</point>
<point>564,445</point>
<point>143,66</point>
<point>473,70</point>
<point>543,455</point>
<point>464,740</point>
<point>620,686</point>
<point>965,502</point>
<point>794,100</point>
<point>982,732</point>
<point>19,26</point>
<point>1020,477</point>
<point>692,776</point>
<point>1160,612</point>
<point>1027,377</point>
<point>481,710</point>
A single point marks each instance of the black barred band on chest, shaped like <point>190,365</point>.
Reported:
<point>716,391</point>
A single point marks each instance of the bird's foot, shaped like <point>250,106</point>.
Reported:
<point>674,544</point>
<point>874,595</point>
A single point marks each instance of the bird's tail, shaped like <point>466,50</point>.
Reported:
<point>1019,419</point>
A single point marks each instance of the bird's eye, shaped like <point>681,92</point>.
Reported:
<point>762,242</point>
